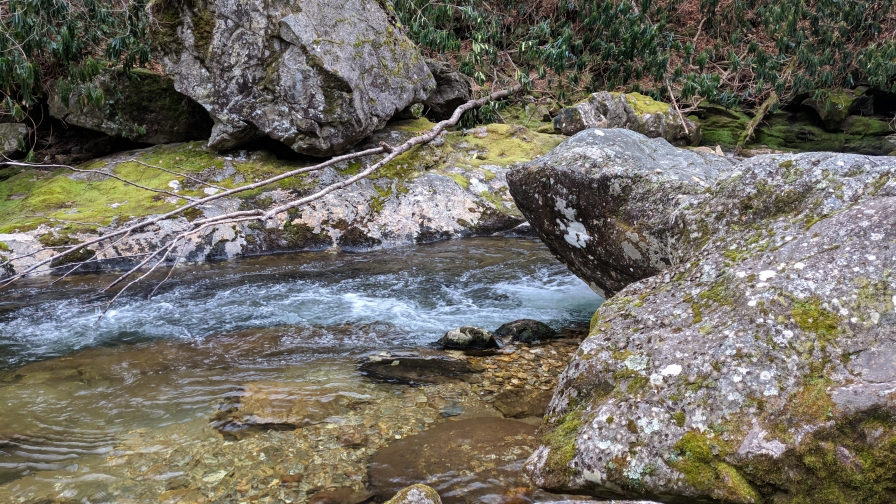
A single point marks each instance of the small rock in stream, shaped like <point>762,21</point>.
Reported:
<point>526,331</point>
<point>416,494</point>
<point>468,338</point>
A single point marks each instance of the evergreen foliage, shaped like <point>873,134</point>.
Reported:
<point>43,40</point>
<point>724,51</point>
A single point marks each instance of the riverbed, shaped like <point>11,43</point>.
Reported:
<point>128,406</point>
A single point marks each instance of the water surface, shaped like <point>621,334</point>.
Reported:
<point>117,408</point>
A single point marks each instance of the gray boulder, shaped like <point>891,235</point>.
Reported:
<point>143,107</point>
<point>759,366</point>
<point>12,135</point>
<point>604,202</point>
<point>452,90</point>
<point>318,76</point>
<point>631,111</point>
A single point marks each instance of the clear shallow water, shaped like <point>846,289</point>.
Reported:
<point>115,409</point>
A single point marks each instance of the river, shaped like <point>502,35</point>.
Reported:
<point>121,407</point>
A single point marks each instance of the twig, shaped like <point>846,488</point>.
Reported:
<point>751,126</point>
<point>675,104</point>
<point>98,172</point>
<point>166,170</point>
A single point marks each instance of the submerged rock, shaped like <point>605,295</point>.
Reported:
<point>632,111</point>
<point>468,338</point>
<point>317,76</point>
<point>417,368</point>
<point>416,494</point>
<point>473,460</point>
<point>526,331</point>
<point>143,107</point>
<point>522,403</point>
<point>278,405</point>
<point>758,366</point>
<point>605,201</point>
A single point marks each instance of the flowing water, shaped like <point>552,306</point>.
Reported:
<point>120,408</point>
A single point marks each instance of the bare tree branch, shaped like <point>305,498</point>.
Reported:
<point>235,217</point>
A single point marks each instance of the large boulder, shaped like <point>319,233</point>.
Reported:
<point>318,76</point>
<point>143,107</point>
<point>632,111</point>
<point>604,202</point>
<point>760,366</point>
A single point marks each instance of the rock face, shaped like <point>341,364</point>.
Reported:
<point>604,202</point>
<point>452,90</point>
<point>631,111</point>
<point>318,76</point>
<point>11,136</point>
<point>143,107</point>
<point>759,366</point>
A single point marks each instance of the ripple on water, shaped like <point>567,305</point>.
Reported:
<point>122,407</point>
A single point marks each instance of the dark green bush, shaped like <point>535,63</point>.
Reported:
<point>71,40</point>
<point>724,51</point>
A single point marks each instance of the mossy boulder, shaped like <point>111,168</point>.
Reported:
<point>632,111</point>
<point>451,188</point>
<point>833,106</point>
<point>318,76</point>
<point>526,331</point>
<point>758,366</point>
<point>140,106</point>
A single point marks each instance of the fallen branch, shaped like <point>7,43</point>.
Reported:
<point>391,152</point>
<point>761,112</point>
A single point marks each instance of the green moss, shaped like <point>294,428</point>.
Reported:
<point>506,144</point>
<point>679,418</point>
<point>460,180</point>
<point>203,30</point>
<point>645,104</point>
<point>53,239</point>
<point>700,460</point>
<point>810,316</point>
<point>562,442</point>
<point>167,17</point>
<point>77,256</point>
<point>637,384</point>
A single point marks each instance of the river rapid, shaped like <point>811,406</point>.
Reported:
<point>122,407</point>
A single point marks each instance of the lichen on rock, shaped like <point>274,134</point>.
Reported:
<point>318,77</point>
<point>757,367</point>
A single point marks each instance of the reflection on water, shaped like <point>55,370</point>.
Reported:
<point>119,410</point>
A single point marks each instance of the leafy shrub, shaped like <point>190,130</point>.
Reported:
<point>724,51</point>
<point>43,40</point>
